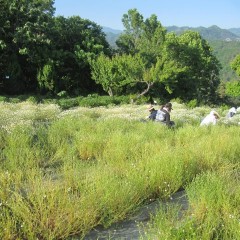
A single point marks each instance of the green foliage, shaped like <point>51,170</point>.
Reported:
<point>199,77</point>
<point>96,101</point>
<point>140,47</point>
<point>25,41</point>
<point>14,100</point>
<point>62,94</point>
<point>235,64</point>
<point>39,50</point>
<point>177,100</point>
<point>226,52</point>
<point>55,54</point>
<point>72,52</point>
<point>105,72</point>
<point>233,88</point>
<point>213,213</point>
<point>224,107</point>
<point>46,77</point>
<point>193,103</point>
<point>66,103</point>
<point>183,65</point>
<point>32,99</point>
<point>3,99</point>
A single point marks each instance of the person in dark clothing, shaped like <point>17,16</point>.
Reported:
<point>153,113</point>
<point>163,115</point>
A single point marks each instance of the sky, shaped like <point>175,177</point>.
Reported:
<point>192,13</point>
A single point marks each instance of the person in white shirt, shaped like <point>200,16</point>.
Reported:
<point>210,119</point>
<point>232,111</point>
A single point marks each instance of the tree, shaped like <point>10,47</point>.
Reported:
<point>76,40</point>
<point>41,52</point>
<point>105,71</point>
<point>144,37</point>
<point>199,77</point>
<point>233,87</point>
<point>235,64</point>
<point>139,48</point>
<point>24,41</point>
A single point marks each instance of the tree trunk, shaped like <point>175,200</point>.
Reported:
<point>110,92</point>
<point>149,85</point>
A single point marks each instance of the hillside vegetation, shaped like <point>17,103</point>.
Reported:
<point>225,44</point>
<point>54,56</point>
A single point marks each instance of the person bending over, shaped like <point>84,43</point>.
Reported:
<point>210,119</point>
<point>163,115</point>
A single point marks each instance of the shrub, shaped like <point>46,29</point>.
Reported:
<point>193,103</point>
<point>96,101</point>
<point>14,100</point>
<point>3,99</point>
<point>62,94</point>
<point>32,99</point>
<point>67,103</point>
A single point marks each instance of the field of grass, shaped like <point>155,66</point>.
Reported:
<point>64,172</point>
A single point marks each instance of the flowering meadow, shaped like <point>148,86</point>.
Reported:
<point>64,172</point>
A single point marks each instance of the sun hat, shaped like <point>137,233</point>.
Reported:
<point>151,107</point>
<point>215,114</point>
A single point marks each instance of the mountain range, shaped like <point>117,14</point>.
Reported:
<point>211,33</point>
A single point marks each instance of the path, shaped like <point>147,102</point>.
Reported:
<point>132,229</point>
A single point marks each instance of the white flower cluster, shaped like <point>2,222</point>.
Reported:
<point>25,113</point>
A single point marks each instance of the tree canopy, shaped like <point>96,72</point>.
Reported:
<point>152,60</point>
<point>41,53</point>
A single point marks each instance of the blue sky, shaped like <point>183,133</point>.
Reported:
<point>193,13</point>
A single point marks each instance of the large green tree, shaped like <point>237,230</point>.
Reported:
<point>107,72</point>
<point>42,52</point>
<point>75,41</point>
<point>150,60</point>
<point>24,41</point>
<point>200,77</point>
<point>139,54</point>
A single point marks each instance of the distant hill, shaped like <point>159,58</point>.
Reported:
<point>111,30</point>
<point>235,31</point>
<point>212,33</point>
<point>225,53</point>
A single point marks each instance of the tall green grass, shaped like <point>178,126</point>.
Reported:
<point>214,199</point>
<point>64,173</point>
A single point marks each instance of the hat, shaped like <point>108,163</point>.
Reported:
<point>151,107</point>
<point>215,114</point>
<point>168,105</point>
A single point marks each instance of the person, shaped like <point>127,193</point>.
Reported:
<point>163,115</point>
<point>153,113</point>
<point>232,111</point>
<point>210,119</point>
